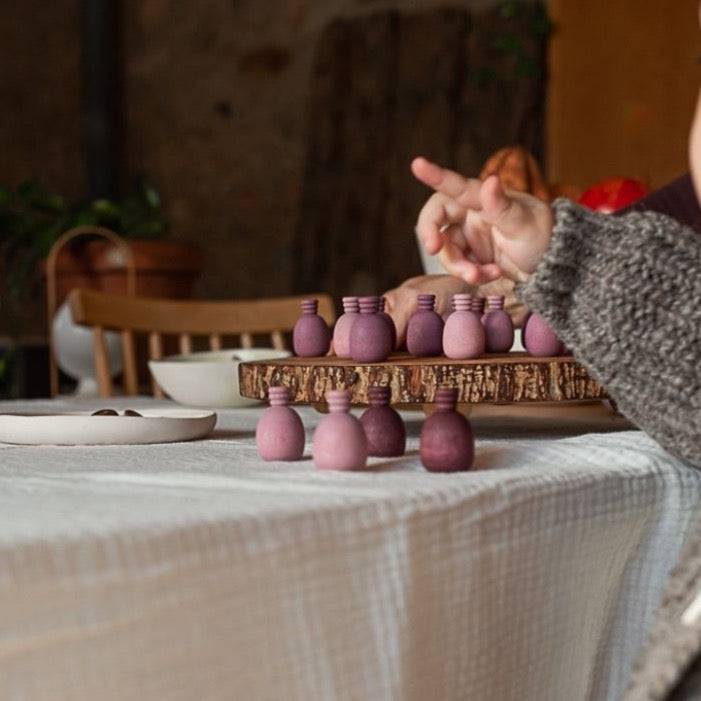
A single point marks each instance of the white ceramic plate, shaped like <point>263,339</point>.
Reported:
<point>154,426</point>
<point>208,379</point>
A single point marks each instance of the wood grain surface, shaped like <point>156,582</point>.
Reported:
<point>515,377</point>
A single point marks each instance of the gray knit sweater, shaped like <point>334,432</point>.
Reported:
<point>624,293</point>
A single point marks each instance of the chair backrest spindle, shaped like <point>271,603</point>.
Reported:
<point>102,367</point>
<point>278,340</point>
<point>131,380</point>
<point>155,352</point>
<point>183,319</point>
<point>246,340</point>
<point>185,343</point>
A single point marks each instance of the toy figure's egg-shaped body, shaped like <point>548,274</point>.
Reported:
<point>311,337</point>
<point>279,433</point>
<point>463,334</point>
<point>384,428</point>
<point>424,336</point>
<point>498,327</point>
<point>339,440</point>
<point>539,339</point>
<point>370,336</point>
<point>390,322</point>
<point>342,329</point>
<point>446,443</point>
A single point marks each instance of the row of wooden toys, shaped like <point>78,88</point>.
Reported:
<point>343,442</point>
<point>367,334</point>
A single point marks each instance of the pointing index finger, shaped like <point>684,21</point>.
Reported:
<point>463,190</point>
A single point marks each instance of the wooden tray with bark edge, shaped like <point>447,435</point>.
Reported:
<point>509,378</point>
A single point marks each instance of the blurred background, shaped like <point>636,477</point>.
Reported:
<point>256,149</point>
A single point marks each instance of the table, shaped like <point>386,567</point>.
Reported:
<point>196,571</point>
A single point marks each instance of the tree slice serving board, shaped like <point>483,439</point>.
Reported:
<point>513,377</point>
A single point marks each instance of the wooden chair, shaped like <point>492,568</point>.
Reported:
<point>157,318</point>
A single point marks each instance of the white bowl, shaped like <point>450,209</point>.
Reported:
<point>208,379</point>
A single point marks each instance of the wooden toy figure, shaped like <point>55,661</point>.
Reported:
<point>339,440</point>
<point>311,337</point>
<point>424,335</point>
<point>446,443</point>
<point>463,335</point>
<point>383,426</point>
<point>280,433</point>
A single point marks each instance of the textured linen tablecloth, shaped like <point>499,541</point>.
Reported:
<point>196,571</point>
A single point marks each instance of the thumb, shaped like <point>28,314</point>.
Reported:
<point>501,209</point>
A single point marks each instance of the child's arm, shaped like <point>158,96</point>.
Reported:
<point>624,293</point>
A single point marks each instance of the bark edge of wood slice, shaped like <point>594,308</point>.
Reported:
<point>510,378</point>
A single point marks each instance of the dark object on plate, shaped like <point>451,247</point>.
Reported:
<point>131,412</point>
<point>104,412</point>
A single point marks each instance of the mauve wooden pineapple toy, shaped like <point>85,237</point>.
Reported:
<point>424,335</point>
<point>280,433</point>
<point>498,327</point>
<point>339,440</point>
<point>539,339</point>
<point>341,332</point>
<point>384,428</point>
<point>390,321</point>
<point>370,336</point>
<point>463,335</point>
<point>311,337</point>
<point>446,443</point>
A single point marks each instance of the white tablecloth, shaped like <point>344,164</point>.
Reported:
<point>195,571</point>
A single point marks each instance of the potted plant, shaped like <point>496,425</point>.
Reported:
<point>33,217</point>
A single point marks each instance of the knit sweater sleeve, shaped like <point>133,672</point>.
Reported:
<point>624,293</point>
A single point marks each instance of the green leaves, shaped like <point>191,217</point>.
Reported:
<point>32,218</point>
<point>141,211</point>
<point>521,21</point>
<point>509,43</point>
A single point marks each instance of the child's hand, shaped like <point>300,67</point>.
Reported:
<point>481,230</point>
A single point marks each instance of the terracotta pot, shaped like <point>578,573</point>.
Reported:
<point>163,268</point>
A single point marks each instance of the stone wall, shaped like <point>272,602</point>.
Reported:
<point>216,96</point>
<point>216,111</point>
<point>40,125</point>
